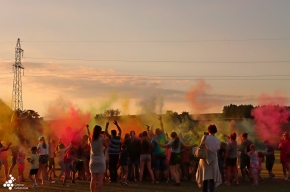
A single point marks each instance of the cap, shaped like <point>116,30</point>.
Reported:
<point>33,148</point>
<point>40,138</point>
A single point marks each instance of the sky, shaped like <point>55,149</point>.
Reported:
<point>194,56</point>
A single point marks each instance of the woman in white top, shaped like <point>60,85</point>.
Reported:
<point>208,174</point>
<point>42,149</point>
<point>97,163</point>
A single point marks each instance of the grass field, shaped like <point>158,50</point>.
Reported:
<point>273,185</point>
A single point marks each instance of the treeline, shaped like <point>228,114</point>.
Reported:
<point>243,111</point>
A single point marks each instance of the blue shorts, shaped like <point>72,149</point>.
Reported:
<point>160,162</point>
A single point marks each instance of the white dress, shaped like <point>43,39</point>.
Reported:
<point>97,159</point>
<point>208,168</point>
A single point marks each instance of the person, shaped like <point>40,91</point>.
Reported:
<point>68,158</point>
<point>61,152</point>
<point>97,163</point>
<point>244,158</point>
<point>134,148</point>
<point>270,158</point>
<point>114,150</point>
<point>51,163</point>
<point>86,156</point>
<point>4,157</point>
<point>123,162</point>
<point>284,146</point>
<point>159,153</point>
<point>21,163</point>
<point>145,157</point>
<point>221,156</point>
<point>175,159</point>
<point>185,161</point>
<point>230,159</point>
<point>43,158</point>
<point>34,166</point>
<point>14,153</point>
<point>254,163</point>
<point>208,175</point>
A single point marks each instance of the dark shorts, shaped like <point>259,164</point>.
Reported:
<point>231,162</point>
<point>245,162</point>
<point>175,158</point>
<point>160,162</point>
<point>33,171</point>
<point>50,163</point>
<point>43,159</point>
<point>269,164</point>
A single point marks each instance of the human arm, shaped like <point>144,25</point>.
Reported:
<point>89,134</point>
<point>118,127</point>
<point>187,146</point>
<point>161,145</point>
<point>6,148</point>
<point>161,123</point>
<point>106,130</point>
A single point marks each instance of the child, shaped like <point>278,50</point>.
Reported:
<point>270,158</point>
<point>254,163</point>
<point>68,159</point>
<point>261,160</point>
<point>124,166</point>
<point>34,166</point>
<point>14,151</point>
<point>61,152</point>
<point>21,164</point>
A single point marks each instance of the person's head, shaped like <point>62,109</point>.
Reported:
<point>266,142</point>
<point>113,132</point>
<point>124,147</point>
<point>158,131</point>
<point>33,149</point>
<point>61,146</point>
<point>144,134</point>
<point>175,138</point>
<point>233,136</point>
<point>223,144</point>
<point>244,136</point>
<point>132,133</point>
<point>127,136</point>
<point>22,150</point>
<point>42,140</point>
<point>285,136</point>
<point>140,135</point>
<point>212,129</point>
<point>96,132</point>
<point>252,147</point>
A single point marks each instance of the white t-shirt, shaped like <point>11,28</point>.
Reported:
<point>42,151</point>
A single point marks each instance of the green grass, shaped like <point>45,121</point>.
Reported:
<point>274,185</point>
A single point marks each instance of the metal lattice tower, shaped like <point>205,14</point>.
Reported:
<point>17,84</point>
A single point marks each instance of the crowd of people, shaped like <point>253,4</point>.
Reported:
<point>103,155</point>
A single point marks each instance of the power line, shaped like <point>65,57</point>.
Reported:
<point>156,61</point>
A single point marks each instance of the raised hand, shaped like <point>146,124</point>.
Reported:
<point>160,118</point>
<point>115,122</point>
<point>107,124</point>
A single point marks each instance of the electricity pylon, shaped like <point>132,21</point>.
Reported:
<point>17,103</point>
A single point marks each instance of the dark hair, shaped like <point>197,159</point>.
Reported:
<point>233,136</point>
<point>131,132</point>
<point>212,129</point>
<point>144,134</point>
<point>44,143</point>
<point>245,135</point>
<point>176,140</point>
<point>96,132</point>
<point>114,132</point>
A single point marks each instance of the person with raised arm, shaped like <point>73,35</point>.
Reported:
<point>114,150</point>
<point>175,159</point>
<point>159,153</point>
<point>97,164</point>
<point>60,153</point>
